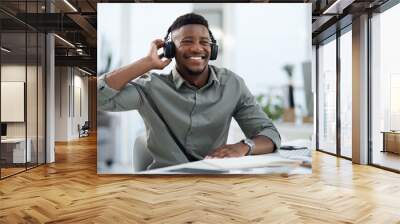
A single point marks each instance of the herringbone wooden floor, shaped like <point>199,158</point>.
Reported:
<point>70,191</point>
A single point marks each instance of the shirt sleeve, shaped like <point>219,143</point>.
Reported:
<point>252,119</point>
<point>109,99</point>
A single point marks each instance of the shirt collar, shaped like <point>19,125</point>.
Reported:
<point>178,80</point>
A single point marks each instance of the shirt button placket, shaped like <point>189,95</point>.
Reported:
<point>191,114</point>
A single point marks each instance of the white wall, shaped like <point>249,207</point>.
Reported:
<point>12,73</point>
<point>33,126</point>
<point>61,103</point>
<point>68,81</point>
<point>80,83</point>
<point>277,35</point>
<point>153,27</point>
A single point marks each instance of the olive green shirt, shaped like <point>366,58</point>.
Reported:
<point>198,117</point>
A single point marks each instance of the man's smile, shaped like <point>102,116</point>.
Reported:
<point>195,58</point>
<point>198,57</point>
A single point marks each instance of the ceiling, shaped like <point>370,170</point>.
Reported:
<point>76,22</point>
<point>75,43</point>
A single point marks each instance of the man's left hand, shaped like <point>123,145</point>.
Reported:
<point>229,150</point>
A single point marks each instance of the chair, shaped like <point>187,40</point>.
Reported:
<point>141,155</point>
<point>84,130</point>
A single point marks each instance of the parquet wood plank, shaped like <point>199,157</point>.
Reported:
<point>70,191</point>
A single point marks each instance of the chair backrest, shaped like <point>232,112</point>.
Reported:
<point>141,155</point>
<point>86,125</point>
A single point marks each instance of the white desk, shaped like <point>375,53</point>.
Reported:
<point>18,149</point>
<point>299,155</point>
<point>261,164</point>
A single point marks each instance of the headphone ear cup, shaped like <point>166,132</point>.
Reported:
<point>214,52</point>
<point>169,49</point>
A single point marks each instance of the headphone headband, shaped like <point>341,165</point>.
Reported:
<point>213,40</point>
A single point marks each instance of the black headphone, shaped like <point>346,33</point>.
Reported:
<point>169,46</point>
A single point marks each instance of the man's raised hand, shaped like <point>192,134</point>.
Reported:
<point>156,61</point>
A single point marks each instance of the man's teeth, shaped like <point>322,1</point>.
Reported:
<point>196,58</point>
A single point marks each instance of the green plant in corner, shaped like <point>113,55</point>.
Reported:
<point>273,106</point>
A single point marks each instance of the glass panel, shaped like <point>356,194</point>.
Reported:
<point>13,87</point>
<point>31,101</point>
<point>31,85</point>
<point>385,86</point>
<point>327,97</point>
<point>23,82</point>
<point>346,94</point>
<point>41,98</point>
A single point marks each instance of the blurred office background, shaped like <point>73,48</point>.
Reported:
<point>268,45</point>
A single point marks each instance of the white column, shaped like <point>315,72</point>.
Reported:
<point>50,98</point>
<point>360,90</point>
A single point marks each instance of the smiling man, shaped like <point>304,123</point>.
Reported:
<point>188,112</point>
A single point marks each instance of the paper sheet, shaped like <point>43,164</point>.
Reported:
<point>251,162</point>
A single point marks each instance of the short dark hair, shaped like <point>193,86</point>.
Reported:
<point>190,18</point>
